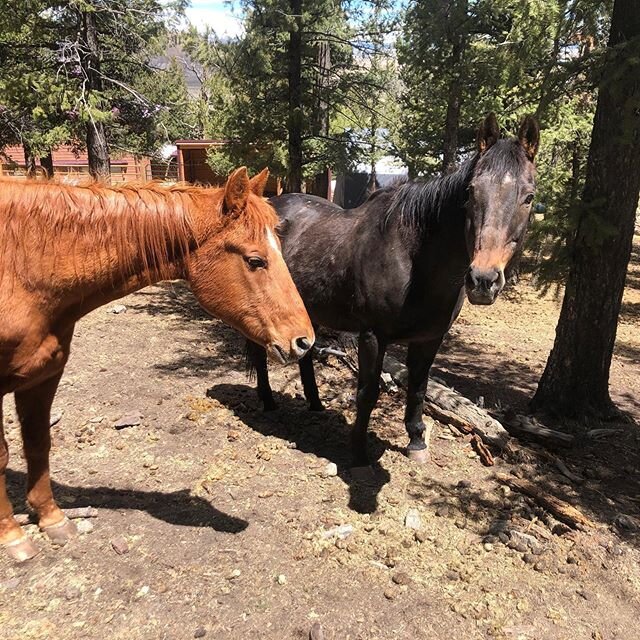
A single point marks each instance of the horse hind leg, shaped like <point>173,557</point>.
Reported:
<point>34,412</point>
<point>309,384</point>
<point>370,358</point>
<point>257,362</point>
<point>12,538</point>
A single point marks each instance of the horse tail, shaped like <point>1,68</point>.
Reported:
<point>250,359</point>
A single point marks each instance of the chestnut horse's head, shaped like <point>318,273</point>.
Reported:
<point>500,197</point>
<point>237,271</point>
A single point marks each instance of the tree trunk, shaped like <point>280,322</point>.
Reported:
<point>576,379</point>
<point>452,124</point>
<point>46,162</point>
<point>97,148</point>
<point>294,176</point>
<point>458,37</point>
<point>29,160</point>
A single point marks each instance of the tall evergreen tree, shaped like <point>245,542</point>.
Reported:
<point>576,378</point>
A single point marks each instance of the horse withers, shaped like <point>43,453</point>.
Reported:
<point>65,250</point>
<point>396,269</point>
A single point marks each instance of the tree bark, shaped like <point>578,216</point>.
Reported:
<point>575,381</point>
<point>452,124</point>
<point>46,162</point>
<point>97,147</point>
<point>294,176</point>
<point>458,38</point>
<point>29,160</point>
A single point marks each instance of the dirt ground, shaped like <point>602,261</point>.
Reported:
<point>228,527</point>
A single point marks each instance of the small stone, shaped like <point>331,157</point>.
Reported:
<point>412,519</point>
<point>626,522</point>
<point>84,526</point>
<point>488,546</point>
<point>571,559</point>
<point>420,536</point>
<point>464,484</point>
<point>142,592</point>
<point>117,309</point>
<point>401,578</point>
<point>452,575</point>
<point>234,574</point>
<point>583,593</point>
<point>200,632</point>
<point>330,471</point>
<point>130,420</point>
<point>390,593</point>
<point>55,418</point>
<point>529,558</point>
<point>281,579</point>
<point>442,511</point>
<point>341,532</point>
<point>120,545</point>
<point>12,583</point>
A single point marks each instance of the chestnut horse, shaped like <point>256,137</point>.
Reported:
<point>65,250</point>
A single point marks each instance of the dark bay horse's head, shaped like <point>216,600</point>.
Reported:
<point>500,196</point>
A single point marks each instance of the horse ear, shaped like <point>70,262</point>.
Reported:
<point>236,191</point>
<point>488,133</point>
<point>529,136</point>
<point>259,182</point>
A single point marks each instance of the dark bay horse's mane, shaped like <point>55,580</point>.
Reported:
<point>418,205</point>
<point>155,220</point>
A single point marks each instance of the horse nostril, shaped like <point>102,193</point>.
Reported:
<point>303,344</point>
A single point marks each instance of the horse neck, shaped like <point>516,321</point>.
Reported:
<point>82,247</point>
<point>441,225</point>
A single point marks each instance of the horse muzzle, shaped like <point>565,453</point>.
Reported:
<point>483,285</point>
<point>298,347</point>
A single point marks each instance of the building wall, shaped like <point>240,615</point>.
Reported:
<point>69,163</point>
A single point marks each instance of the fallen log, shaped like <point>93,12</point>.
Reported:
<point>73,514</point>
<point>453,408</point>
<point>527,426</point>
<point>559,508</point>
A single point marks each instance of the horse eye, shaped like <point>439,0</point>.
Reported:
<point>529,199</point>
<point>256,262</point>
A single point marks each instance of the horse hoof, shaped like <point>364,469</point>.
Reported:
<point>61,532</point>
<point>421,456</point>
<point>363,474</point>
<point>22,549</point>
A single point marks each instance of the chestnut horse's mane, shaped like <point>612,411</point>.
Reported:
<point>154,219</point>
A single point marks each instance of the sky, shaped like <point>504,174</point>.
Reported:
<point>216,14</point>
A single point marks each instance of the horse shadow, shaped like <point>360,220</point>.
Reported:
<point>175,507</point>
<point>324,434</point>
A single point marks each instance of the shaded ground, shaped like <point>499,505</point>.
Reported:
<point>227,515</point>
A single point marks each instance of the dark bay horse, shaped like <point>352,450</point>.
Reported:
<point>396,269</point>
<point>65,250</point>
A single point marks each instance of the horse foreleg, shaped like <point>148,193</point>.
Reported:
<point>257,357</point>
<point>309,382</point>
<point>370,357</point>
<point>420,357</point>
<point>34,411</point>
<point>12,537</point>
